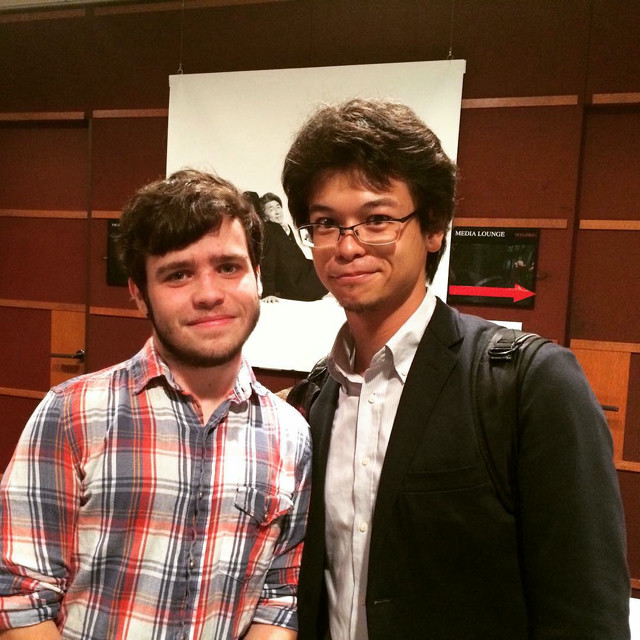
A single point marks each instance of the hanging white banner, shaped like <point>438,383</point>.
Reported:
<point>240,125</point>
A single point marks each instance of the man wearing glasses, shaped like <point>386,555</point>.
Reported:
<point>407,537</point>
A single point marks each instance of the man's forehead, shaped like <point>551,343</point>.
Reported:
<point>228,238</point>
<point>357,178</point>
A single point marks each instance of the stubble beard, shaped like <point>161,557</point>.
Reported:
<point>190,357</point>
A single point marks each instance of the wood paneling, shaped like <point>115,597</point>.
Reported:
<point>525,223</point>
<point>606,287</point>
<point>44,259</point>
<point>610,188</point>
<point>608,375</point>
<point>112,339</point>
<point>21,393</point>
<point>39,304</point>
<point>139,144</point>
<point>26,340</point>
<point>530,101</point>
<point>611,225</point>
<point>15,412</point>
<point>67,337</point>
<point>47,168</point>
<point>43,213</point>
<point>39,116</point>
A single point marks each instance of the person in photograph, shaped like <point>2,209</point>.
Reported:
<point>285,271</point>
<point>271,208</point>
<point>408,536</point>
<point>164,497</point>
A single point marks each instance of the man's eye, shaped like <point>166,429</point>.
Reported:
<point>377,220</point>
<point>324,223</point>
<point>176,276</point>
<point>229,268</point>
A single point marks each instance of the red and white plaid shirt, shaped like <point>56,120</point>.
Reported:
<point>123,517</point>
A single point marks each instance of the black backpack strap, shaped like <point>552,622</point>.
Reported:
<point>304,393</point>
<point>500,364</point>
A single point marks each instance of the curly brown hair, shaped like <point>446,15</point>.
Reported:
<point>379,141</point>
<point>170,214</point>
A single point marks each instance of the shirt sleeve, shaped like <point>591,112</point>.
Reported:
<point>38,495</point>
<point>278,601</point>
<point>572,527</point>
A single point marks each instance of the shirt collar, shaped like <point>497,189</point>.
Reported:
<point>149,367</point>
<point>401,347</point>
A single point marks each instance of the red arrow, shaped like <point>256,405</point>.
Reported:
<point>517,293</point>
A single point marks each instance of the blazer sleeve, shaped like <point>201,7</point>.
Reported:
<point>575,574</point>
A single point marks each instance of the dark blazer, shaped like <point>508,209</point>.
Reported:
<point>447,562</point>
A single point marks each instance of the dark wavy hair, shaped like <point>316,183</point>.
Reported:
<point>379,141</point>
<point>168,215</point>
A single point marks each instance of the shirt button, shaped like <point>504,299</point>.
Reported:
<point>191,563</point>
<point>363,527</point>
<point>365,461</point>
<point>372,398</point>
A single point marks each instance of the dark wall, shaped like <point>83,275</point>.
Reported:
<point>83,99</point>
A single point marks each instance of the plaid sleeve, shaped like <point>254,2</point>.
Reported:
<point>278,601</point>
<point>38,495</point>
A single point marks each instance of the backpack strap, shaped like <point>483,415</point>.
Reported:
<point>501,362</point>
<point>304,393</point>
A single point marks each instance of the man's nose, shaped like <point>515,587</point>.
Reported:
<point>208,291</point>
<point>348,246</point>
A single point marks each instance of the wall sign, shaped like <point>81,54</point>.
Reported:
<point>493,266</point>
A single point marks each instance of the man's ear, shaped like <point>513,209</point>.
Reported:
<point>259,281</point>
<point>137,297</point>
<point>434,241</point>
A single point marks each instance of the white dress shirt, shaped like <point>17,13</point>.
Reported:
<point>362,426</point>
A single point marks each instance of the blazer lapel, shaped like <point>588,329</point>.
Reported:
<point>431,367</point>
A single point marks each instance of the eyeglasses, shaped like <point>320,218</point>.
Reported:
<point>381,230</point>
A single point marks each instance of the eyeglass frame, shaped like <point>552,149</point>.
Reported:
<point>343,230</point>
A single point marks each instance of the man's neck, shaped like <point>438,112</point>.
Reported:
<point>210,386</point>
<point>372,329</point>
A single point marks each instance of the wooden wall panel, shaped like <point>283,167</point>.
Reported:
<point>519,162</point>
<point>521,48</point>
<point>15,412</point>
<point>256,36</point>
<point>632,435</point>
<point>614,63</point>
<point>111,339</point>
<point>43,259</point>
<point>606,287</point>
<point>127,154</point>
<point>133,56</point>
<point>610,186</point>
<point>44,65</point>
<point>608,375</point>
<point>44,165</point>
<point>26,342</point>
<point>67,338</point>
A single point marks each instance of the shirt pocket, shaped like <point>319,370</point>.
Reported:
<point>246,554</point>
<point>261,506</point>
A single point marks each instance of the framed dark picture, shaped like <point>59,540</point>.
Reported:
<point>116,277</point>
<point>493,266</point>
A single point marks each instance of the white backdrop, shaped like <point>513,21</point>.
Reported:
<point>241,124</point>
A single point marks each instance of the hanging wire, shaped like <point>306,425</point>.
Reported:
<point>180,71</point>
<point>450,54</point>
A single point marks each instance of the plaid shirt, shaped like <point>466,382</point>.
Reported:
<point>123,516</point>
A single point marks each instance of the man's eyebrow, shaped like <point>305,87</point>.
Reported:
<point>382,201</point>
<point>173,266</point>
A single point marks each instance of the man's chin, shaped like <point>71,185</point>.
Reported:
<point>359,307</point>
